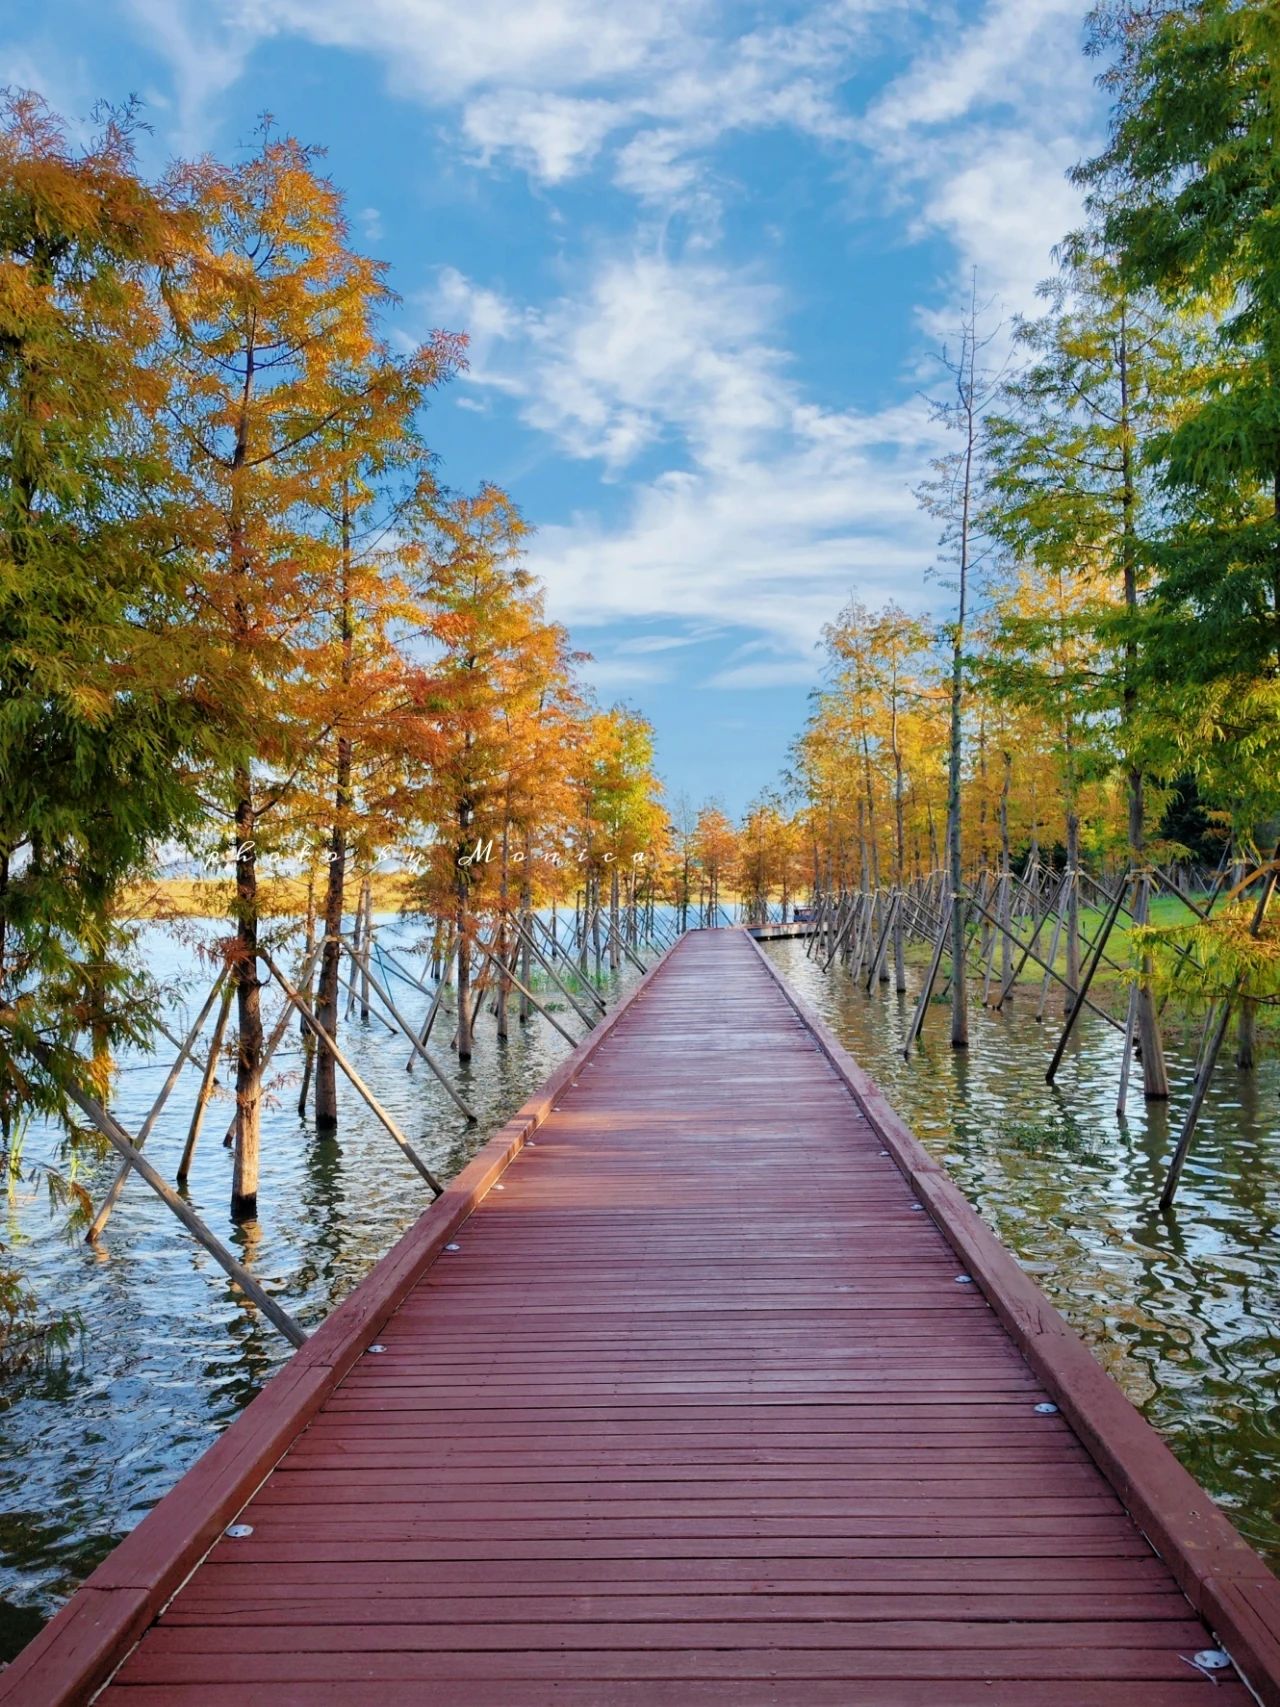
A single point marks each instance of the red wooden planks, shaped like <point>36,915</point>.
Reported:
<point>698,1412</point>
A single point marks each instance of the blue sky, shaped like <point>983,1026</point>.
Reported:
<point>703,250</point>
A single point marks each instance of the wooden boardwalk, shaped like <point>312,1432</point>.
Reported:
<point>776,932</point>
<point>697,1406</point>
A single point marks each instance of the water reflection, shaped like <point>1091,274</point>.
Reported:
<point>1183,1308</point>
<point>171,1353</point>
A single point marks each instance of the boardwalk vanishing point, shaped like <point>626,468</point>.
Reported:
<point>701,1384</point>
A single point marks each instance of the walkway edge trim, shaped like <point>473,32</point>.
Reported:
<point>85,1642</point>
<point>1225,1580</point>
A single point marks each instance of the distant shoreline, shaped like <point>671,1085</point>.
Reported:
<point>214,897</point>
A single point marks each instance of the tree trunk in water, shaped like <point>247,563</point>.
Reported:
<point>501,945</point>
<point>244,1185</point>
<point>1069,995</point>
<point>900,854</point>
<point>1006,872</point>
<point>331,954</point>
<point>366,913</point>
<point>463,1038</point>
<point>1247,1034</point>
<point>955,862</point>
<point>1247,1023</point>
<point>526,921</point>
<point>615,922</point>
<point>305,1035</point>
<point>1155,1079</point>
<point>1155,1082</point>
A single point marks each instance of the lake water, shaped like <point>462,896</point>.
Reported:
<point>1184,1310</point>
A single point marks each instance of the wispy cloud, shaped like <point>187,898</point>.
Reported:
<point>976,134</point>
<point>740,498</point>
<point>552,87</point>
<point>769,505</point>
<point>207,49</point>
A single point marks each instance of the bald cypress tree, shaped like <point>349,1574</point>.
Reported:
<point>99,722</point>
<point>277,311</point>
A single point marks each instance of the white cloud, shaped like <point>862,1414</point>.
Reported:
<point>1017,50</point>
<point>778,673</point>
<point>444,52</point>
<point>484,315</point>
<point>1004,204</point>
<point>207,55</point>
<point>769,507</point>
<point>774,545</point>
<point>647,643</point>
<point>653,350</point>
<point>977,134</point>
<point>611,673</point>
<point>657,166</point>
<point>750,504</point>
<point>551,84</point>
<point>553,137</point>
<point>55,76</point>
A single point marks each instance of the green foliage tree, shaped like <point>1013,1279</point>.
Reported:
<point>1071,489</point>
<point>99,724</point>
<point>1189,191</point>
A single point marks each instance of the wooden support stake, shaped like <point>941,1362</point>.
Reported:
<point>1038,926</point>
<point>124,1145</point>
<point>1126,1058</point>
<point>348,985</point>
<point>1081,1002</point>
<point>882,944</point>
<point>109,1202</point>
<point>385,1119</point>
<point>1210,1057</point>
<point>842,932</point>
<point>567,1035</point>
<point>549,969</point>
<point>1050,973</point>
<point>418,1048</point>
<point>1059,914</point>
<point>206,1083</point>
<point>588,988</point>
<point>430,1019</point>
<point>277,1032</point>
<point>926,989</point>
<point>1183,1147</point>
